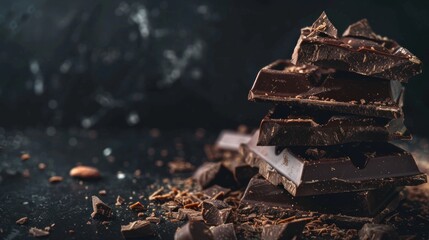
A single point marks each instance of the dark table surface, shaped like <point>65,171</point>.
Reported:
<point>117,154</point>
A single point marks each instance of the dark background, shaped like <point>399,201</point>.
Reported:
<point>170,64</point>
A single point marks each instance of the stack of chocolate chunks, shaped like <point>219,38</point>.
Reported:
<point>338,103</point>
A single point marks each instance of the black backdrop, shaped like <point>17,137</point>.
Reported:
<point>104,63</point>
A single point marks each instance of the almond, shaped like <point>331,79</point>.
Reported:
<point>85,172</point>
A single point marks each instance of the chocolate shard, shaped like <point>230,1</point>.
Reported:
<point>224,232</point>
<point>378,232</point>
<point>240,170</point>
<point>215,212</point>
<point>193,231</point>
<point>284,231</point>
<point>322,26</point>
<point>294,126</point>
<point>137,229</point>
<point>326,89</point>
<point>263,197</point>
<point>36,232</point>
<point>360,51</point>
<point>211,173</point>
<point>100,209</point>
<point>361,29</point>
<point>344,168</point>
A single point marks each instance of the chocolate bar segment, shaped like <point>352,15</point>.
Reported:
<point>263,197</point>
<point>295,126</point>
<point>327,89</point>
<point>359,50</point>
<point>307,171</point>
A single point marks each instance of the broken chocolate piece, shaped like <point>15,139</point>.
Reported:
<point>265,198</point>
<point>100,209</point>
<point>224,232</point>
<point>360,50</point>
<point>285,230</point>
<point>119,200</point>
<point>36,232</point>
<point>378,232</point>
<point>193,231</point>
<point>322,26</point>
<point>327,89</point>
<point>344,168</point>
<point>137,229</point>
<point>215,212</point>
<point>293,126</point>
<point>211,173</point>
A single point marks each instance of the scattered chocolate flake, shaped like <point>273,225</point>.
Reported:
<point>137,229</point>
<point>119,200</point>
<point>178,166</point>
<point>102,192</point>
<point>137,206</point>
<point>140,214</point>
<point>71,232</point>
<point>22,221</point>
<point>25,156</point>
<point>100,209</point>
<point>156,193</point>
<point>85,172</point>
<point>137,173</point>
<point>193,230</point>
<point>26,173</point>
<point>36,232</point>
<point>41,166</point>
<point>153,219</point>
<point>377,232</point>
<point>55,179</point>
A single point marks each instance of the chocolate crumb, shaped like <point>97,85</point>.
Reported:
<point>36,232</point>
<point>25,156</point>
<point>22,221</point>
<point>55,179</point>
<point>85,172</point>
<point>137,206</point>
<point>100,209</point>
<point>119,200</point>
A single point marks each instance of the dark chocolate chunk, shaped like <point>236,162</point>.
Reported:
<point>224,232</point>
<point>378,232</point>
<point>265,198</point>
<point>211,173</point>
<point>286,126</point>
<point>36,232</point>
<point>317,88</point>
<point>240,170</point>
<point>360,50</point>
<point>215,212</point>
<point>193,231</point>
<point>344,168</point>
<point>137,229</point>
<point>284,231</point>
<point>100,209</point>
